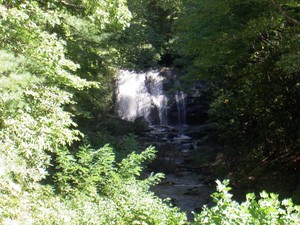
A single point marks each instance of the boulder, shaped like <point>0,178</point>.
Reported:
<point>141,124</point>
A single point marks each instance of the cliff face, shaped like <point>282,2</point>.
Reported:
<point>190,102</point>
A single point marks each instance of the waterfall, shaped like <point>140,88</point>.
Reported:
<point>141,94</point>
<point>181,107</point>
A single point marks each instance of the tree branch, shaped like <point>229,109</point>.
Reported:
<point>289,18</point>
<point>64,2</point>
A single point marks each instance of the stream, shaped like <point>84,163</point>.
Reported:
<point>155,98</point>
<point>187,187</point>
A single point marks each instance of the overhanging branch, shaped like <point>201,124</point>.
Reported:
<point>289,18</point>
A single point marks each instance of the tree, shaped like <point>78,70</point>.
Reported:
<point>46,178</point>
<point>146,42</point>
<point>247,49</point>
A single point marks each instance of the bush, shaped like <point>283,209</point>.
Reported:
<point>267,210</point>
<point>90,188</point>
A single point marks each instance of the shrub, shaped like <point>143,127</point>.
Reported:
<point>266,210</point>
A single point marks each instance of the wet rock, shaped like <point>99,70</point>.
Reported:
<point>184,184</point>
<point>193,192</point>
<point>208,181</point>
<point>201,131</point>
<point>154,115</point>
<point>141,124</point>
<point>166,183</point>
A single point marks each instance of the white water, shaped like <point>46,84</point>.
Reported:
<point>181,108</point>
<point>141,94</point>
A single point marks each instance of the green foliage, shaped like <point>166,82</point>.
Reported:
<point>247,50</point>
<point>266,210</point>
<point>85,172</point>
<point>45,177</point>
<point>33,121</point>
<point>90,171</point>
<point>128,166</point>
<point>94,190</point>
<point>56,64</point>
<point>121,134</point>
<point>67,38</point>
<point>146,42</point>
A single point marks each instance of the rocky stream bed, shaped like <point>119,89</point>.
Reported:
<point>186,185</point>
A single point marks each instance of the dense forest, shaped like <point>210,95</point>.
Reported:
<point>66,159</point>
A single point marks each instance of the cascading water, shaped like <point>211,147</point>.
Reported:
<point>141,94</point>
<point>181,108</point>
